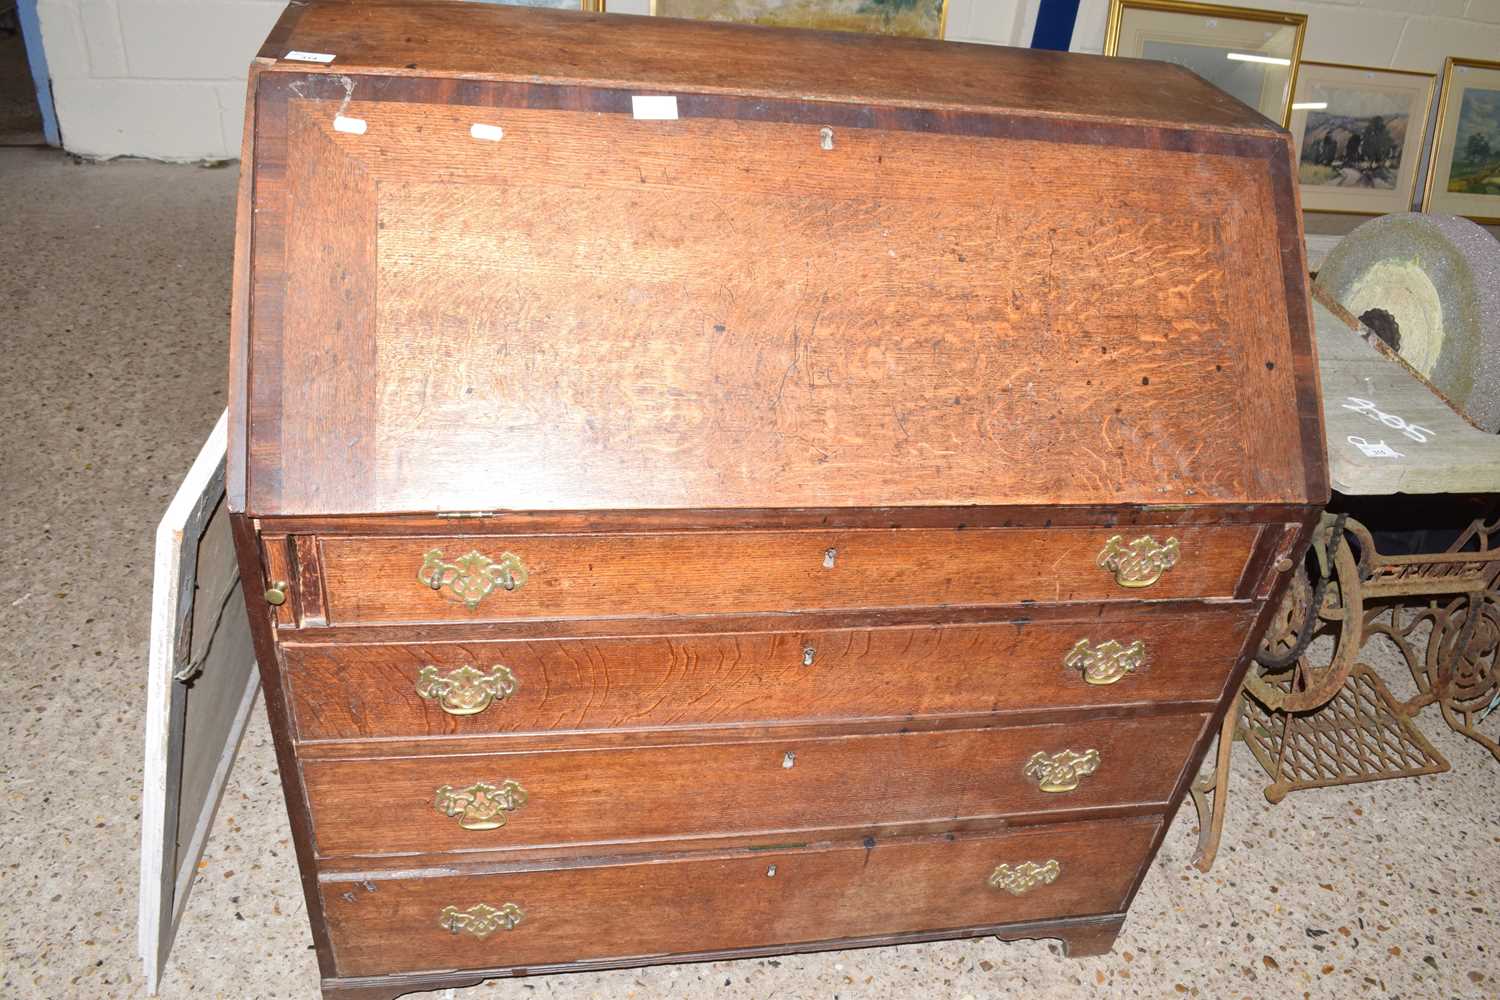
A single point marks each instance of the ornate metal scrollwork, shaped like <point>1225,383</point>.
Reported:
<point>466,691</point>
<point>480,806</point>
<point>1139,563</point>
<point>471,577</point>
<point>1107,662</point>
<point>1061,771</point>
<point>481,920</point>
<point>1022,878</point>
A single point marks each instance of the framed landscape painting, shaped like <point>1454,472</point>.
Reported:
<point>1359,134</point>
<point>1464,178</point>
<point>1249,54</point>
<point>910,18</point>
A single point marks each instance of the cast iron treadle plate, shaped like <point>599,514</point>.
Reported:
<point>1359,735</point>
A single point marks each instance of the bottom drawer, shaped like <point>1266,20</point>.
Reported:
<point>489,918</point>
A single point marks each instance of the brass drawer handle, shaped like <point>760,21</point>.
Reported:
<point>466,691</point>
<point>473,576</point>
<point>480,806</point>
<point>1022,878</point>
<point>1107,662</point>
<point>1061,771</point>
<point>1139,563</point>
<point>480,920</point>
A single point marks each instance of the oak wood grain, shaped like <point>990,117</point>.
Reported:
<point>450,40</point>
<point>1025,302</point>
<point>620,912</point>
<point>634,798</point>
<point>628,738</point>
<point>566,316</point>
<point>376,580</point>
<point>654,681</point>
<point>1096,514</point>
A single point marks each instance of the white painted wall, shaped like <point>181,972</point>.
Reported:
<point>166,78</point>
<point>1396,34</point>
<point>158,78</point>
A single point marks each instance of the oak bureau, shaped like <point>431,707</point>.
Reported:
<point>829,502</point>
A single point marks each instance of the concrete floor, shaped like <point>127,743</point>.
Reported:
<point>114,291</point>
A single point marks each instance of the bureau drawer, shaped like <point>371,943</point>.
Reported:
<point>601,679</point>
<point>744,900</point>
<point>636,795</point>
<point>507,577</point>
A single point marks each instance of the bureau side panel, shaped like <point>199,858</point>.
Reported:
<point>262,631</point>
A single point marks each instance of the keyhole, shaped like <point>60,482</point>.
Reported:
<point>789,759</point>
<point>825,137</point>
<point>808,653</point>
<point>771,872</point>
<point>828,557</point>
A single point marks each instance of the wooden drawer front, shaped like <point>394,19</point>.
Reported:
<point>641,794</point>
<point>688,905</point>
<point>654,681</point>
<point>561,576</point>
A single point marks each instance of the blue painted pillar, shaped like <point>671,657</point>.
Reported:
<point>31,32</point>
<point>1054,24</point>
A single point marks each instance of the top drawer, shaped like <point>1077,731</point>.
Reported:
<point>466,578</point>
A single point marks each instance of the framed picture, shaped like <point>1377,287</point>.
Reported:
<point>910,18</point>
<point>597,5</point>
<point>1358,133</point>
<point>1249,54</point>
<point>1464,175</point>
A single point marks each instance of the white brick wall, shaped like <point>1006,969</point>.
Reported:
<point>157,78</point>
<point>166,78</point>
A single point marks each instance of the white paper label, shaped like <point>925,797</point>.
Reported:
<point>354,126</point>
<point>654,108</point>
<point>317,57</point>
<point>479,130</point>
<point>1374,449</point>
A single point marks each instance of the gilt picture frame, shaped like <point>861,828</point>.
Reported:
<point>590,5</point>
<point>1249,54</point>
<point>908,18</point>
<point>1358,132</point>
<point>1463,174</point>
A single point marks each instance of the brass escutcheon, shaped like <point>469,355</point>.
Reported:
<point>480,806</point>
<point>1022,878</point>
<point>481,920</point>
<point>1139,563</point>
<point>1105,663</point>
<point>1061,771</point>
<point>466,691</point>
<point>471,577</point>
